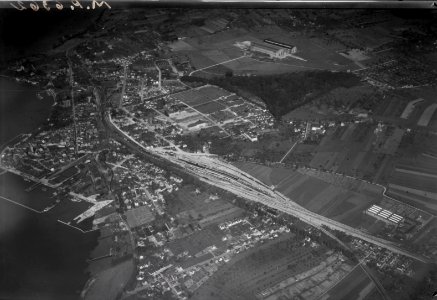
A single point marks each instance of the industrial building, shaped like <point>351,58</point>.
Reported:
<point>273,51</point>
<point>282,45</point>
<point>269,47</point>
<point>384,215</point>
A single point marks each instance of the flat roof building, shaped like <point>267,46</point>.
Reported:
<point>384,215</point>
<point>375,209</point>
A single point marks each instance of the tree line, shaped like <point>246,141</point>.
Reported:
<point>283,93</point>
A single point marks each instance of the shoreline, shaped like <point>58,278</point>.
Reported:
<point>22,81</point>
<point>27,118</point>
<point>94,281</point>
<point>6,76</point>
<point>27,89</point>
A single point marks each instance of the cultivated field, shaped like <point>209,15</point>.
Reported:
<point>363,37</point>
<point>362,150</point>
<point>380,154</point>
<point>334,197</point>
<point>257,269</point>
<point>355,286</point>
<point>413,180</point>
<point>207,50</point>
<point>409,108</point>
<point>268,175</point>
<point>427,114</point>
<point>202,101</point>
<point>311,283</point>
<point>201,95</point>
<point>353,150</point>
<point>209,107</point>
<point>199,240</point>
<point>427,238</point>
<point>202,207</point>
<point>414,108</point>
<point>139,216</point>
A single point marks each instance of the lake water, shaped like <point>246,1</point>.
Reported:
<point>39,257</point>
<point>20,110</point>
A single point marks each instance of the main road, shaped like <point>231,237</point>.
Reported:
<point>217,172</point>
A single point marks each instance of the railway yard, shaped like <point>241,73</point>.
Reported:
<point>202,187</point>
